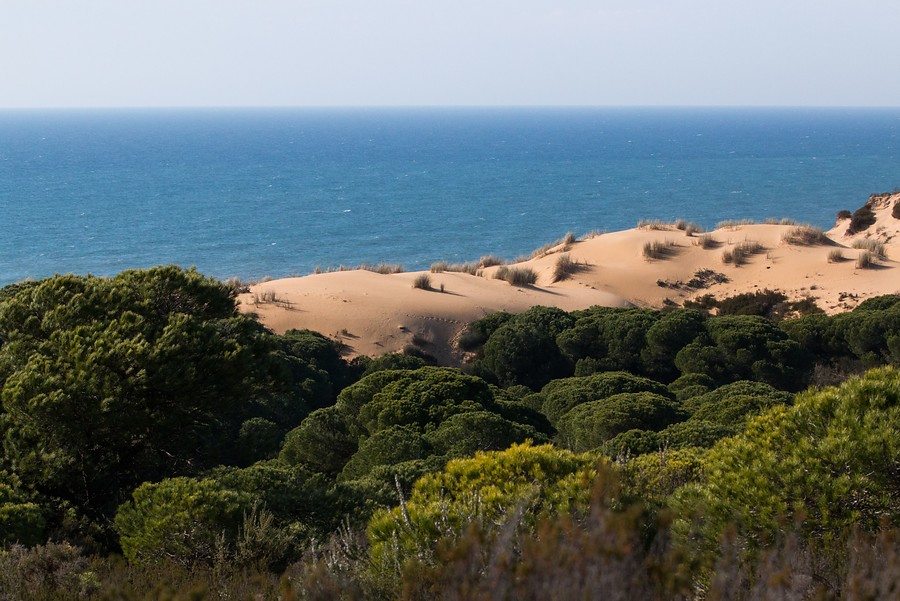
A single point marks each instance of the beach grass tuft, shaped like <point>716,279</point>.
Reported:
<point>741,252</point>
<point>383,268</point>
<point>491,261</point>
<point>805,235</point>
<point>657,249</point>
<point>836,255</point>
<point>422,281</point>
<point>565,268</point>
<point>734,223</point>
<point>873,246</point>
<point>516,276</point>
<point>866,260</point>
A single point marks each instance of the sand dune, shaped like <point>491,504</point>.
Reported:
<point>374,314</point>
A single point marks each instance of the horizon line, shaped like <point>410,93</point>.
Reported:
<point>444,106</point>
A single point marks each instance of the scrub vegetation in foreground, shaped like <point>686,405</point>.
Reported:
<point>158,444</point>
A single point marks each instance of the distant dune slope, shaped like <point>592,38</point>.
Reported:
<point>654,265</point>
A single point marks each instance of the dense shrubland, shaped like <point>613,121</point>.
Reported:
<point>159,444</point>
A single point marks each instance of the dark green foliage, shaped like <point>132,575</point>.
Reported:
<point>640,341</point>
<point>878,303</point>
<point>742,388</point>
<point>832,458</point>
<point>631,444</point>
<point>323,442</point>
<point>260,513</point>
<point>872,335</point>
<point>387,446</point>
<point>723,412</point>
<point>478,332</point>
<point>696,433</point>
<point>393,361</point>
<point>560,396</point>
<point>524,351</point>
<point>747,347</point>
<point>762,302</point>
<point>895,210</point>
<point>526,415</point>
<point>765,303</point>
<point>427,396</point>
<point>381,421</point>
<point>258,438</point>
<point>315,361</point>
<point>613,338</point>
<point>861,219</point>
<point>463,434</point>
<point>691,385</point>
<point>109,382</point>
<point>21,520</point>
<point>671,333</point>
<point>179,518</point>
<point>819,335</point>
<point>591,424</point>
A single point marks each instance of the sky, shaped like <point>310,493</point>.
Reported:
<point>211,53</point>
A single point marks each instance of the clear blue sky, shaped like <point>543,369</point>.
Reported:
<point>62,53</point>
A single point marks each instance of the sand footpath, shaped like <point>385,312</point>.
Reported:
<point>374,314</point>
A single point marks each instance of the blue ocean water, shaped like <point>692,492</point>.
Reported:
<point>273,192</point>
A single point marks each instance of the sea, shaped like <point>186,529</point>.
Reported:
<point>254,193</point>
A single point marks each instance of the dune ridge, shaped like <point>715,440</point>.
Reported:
<point>654,265</point>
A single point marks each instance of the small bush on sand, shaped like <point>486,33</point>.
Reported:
<point>706,242</point>
<point>780,221</point>
<point>422,281</point>
<point>439,267</point>
<point>844,214</point>
<point>565,267</point>
<point>804,235</point>
<point>490,261</point>
<point>692,228</point>
<point>654,224</point>
<point>895,212</point>
<point>383,268</point>
<point>835,255</point>
<point>733,223</point>
<point>741,252</point>
<point>561,245</point>
<point>658,249</point>
<point>861,219</point>
<point>866,260</point>
<point>516,276</point>
<point>873,246</point>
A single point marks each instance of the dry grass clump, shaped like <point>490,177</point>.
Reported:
<point>781,221</point>
<point>733,223</point>
<point>805,235</point>
<point>470,267</point>
<point>836,255</point>
<point>654,224</point>
<point>491,261</point>
<point>516,276</point>
<point>658,250</point>
<point>688,227</point>
<point>741,252</point>
<point>866,260</point>
<point>565,268</point>
<point>383,268</point>
<point>563,243</point>
<point>422,281</point>
<point>706,242</point>
<point>873,246</point>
